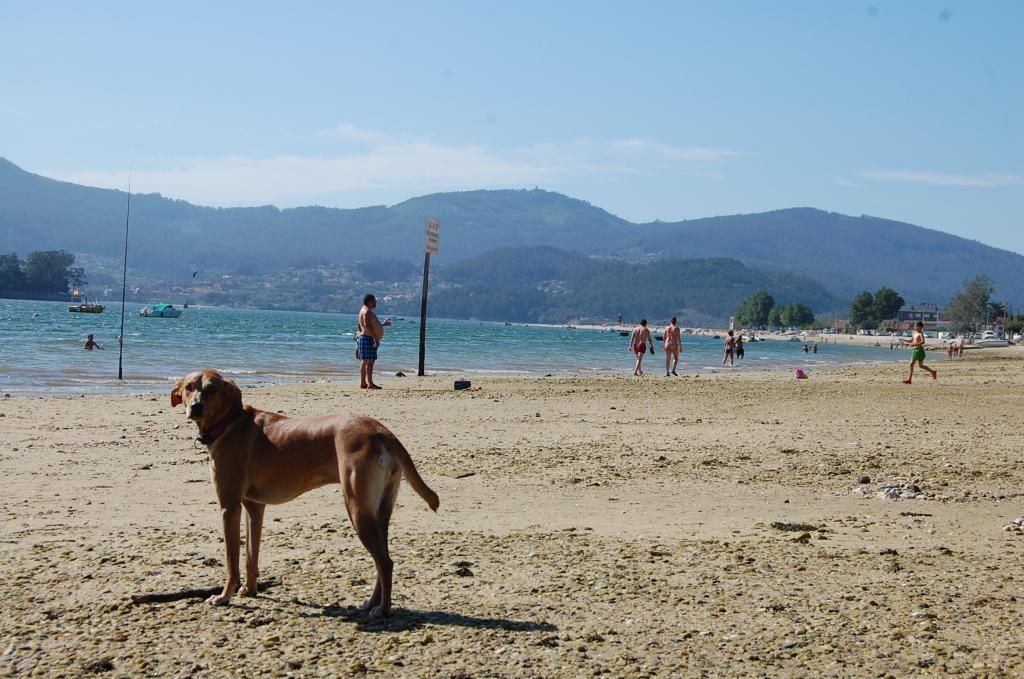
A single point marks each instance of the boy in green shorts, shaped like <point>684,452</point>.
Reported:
<point>917,345</point>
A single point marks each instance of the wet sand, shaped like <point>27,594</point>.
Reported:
<point>717,526</point>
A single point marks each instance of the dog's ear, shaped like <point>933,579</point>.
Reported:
<point>176,392</point>
<point>236,393</point>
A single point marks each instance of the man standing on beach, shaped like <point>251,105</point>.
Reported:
<point>638,341</point>
<point>371,332</point>
<point>673,344</point>
<point>917,344</point>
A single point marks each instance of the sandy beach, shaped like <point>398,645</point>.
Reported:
<point>743,524</point>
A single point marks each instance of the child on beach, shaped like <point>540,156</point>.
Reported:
<point>917,344</point>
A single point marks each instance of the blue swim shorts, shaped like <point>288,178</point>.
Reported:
<point>367,350</point>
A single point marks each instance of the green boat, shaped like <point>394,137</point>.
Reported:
<point>160,311</point>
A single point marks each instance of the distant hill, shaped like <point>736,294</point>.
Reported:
<point>847,254</point>
<point>547,285</point>
<point>172,238</point>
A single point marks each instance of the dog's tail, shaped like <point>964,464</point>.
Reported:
<point>396,448</point>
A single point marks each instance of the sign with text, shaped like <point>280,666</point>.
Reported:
<point>433,242</point>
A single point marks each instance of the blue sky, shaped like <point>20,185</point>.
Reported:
<point>654,110</point>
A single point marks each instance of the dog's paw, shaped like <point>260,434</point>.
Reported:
<point>247,591</point>
<point>219,600</point>
<point>378,613</point>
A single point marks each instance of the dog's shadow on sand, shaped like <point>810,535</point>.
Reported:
<point>405,619</point>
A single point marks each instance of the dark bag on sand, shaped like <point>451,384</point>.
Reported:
<point>461,384</point>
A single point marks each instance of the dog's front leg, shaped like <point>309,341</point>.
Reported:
<point>253,533</point>
<point>230,515</point>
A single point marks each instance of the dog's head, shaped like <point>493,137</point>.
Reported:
<point>207,396</point>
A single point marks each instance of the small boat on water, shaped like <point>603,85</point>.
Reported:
<point>80,304</point>
<point>160,311</point>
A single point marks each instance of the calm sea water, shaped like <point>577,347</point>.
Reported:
<point>41,349</point>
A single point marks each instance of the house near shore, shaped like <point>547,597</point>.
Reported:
<point>909,315</point>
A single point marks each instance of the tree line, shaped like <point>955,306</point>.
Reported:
<point>44,273</point>
<point>970,310</point>
<point>760,311</point>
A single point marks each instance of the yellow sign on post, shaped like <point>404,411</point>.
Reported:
<point>433,241</point>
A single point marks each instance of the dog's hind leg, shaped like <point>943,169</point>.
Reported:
<point>253,534</point>
<point>371,519</point>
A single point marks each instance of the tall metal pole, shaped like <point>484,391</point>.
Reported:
<point>423,313</point>
<point>124,279</point>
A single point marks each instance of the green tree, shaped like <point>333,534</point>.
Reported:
<point>887,304</point>
<point>775,317</point>
<point>76,277</point>
<point>754,310</point>
<point>970,307</point>
<point>1015,325</point>
<point>863,311</point>
<point>46,271</point>
<point>796,315</point>
<point>12,278</point>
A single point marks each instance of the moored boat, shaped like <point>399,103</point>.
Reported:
<point>991,342</point>
<point>160,311</point>
<point>80,304</point>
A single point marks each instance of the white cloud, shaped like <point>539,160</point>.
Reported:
<point>650,148</point>
<point>981,180</point>
<point>349,133</point>
<point>396,166</point>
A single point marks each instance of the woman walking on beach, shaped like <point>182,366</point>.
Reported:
<point>673,344</point>
<point>917,344</point>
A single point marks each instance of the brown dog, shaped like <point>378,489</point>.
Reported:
<point>259,458</point>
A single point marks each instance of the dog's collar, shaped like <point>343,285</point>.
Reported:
<point>210,435</point>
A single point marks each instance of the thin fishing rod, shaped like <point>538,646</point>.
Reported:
<point>124,277</point>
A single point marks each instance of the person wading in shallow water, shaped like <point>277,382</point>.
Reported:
<point>638,341</point>
<point>730,349</point>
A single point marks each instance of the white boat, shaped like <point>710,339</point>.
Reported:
<point>989,339</point>
<point>160,311</point>
<point>991,342</point>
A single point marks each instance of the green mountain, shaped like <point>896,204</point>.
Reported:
<point>172,238</point>
<point>547,285</point>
